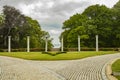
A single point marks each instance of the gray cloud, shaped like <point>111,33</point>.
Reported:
<point>16,2</point>
<point>68,7</point>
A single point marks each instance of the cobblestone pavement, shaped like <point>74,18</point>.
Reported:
<point>92,68</point>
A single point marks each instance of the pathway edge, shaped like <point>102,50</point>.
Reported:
<point>107,70</point>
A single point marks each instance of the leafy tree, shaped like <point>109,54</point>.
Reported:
<point>72,27</point>
<point>101,20</point>
<point>94,20</point>
<point>13,18</point>
<point>74,21</point>
<point>19,26</point>
<point>1,27</point>
<point>117,5</point>
<point>36,34</point>
<point>73,36</point>
<point>116,24</point>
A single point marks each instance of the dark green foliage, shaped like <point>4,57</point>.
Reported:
<point>19,26</point>
<point>117,6</point>
<point>54,53</point>
<point>91,49</point>
<point>95,20</point>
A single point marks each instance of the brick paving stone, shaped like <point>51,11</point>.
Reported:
<point>92,68</point>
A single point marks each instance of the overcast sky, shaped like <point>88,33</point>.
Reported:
<point>52,13</point>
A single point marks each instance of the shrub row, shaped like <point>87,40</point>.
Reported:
<point>92,49</point>
<point>23,50</point>
<point>65,49</point>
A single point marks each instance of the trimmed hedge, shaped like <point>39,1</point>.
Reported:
<point>24,50</point>
<point>53,54</point>
<point>109,49</point>
<point>65,49</point>
<point>92,49</point>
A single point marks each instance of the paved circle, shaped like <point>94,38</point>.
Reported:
<point>91,68</point>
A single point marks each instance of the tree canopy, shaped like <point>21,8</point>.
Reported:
<point>95,20</point>
<point>19,26</point>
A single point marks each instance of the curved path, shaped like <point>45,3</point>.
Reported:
<point>92,68</point>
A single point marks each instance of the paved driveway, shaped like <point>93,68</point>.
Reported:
<point>92,68</point>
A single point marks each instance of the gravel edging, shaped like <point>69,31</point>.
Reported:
<point>0,73</point>
<point>107,71</point>
<point>104,76</point>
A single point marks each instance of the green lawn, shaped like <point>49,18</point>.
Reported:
<point>116,68</point>
<point>63,56</point>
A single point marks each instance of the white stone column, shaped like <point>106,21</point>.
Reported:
<point>97,43</point>
<point>9,43</point>
<point>78,43</point>
<point>28,43</point>
<point>46,44</point>
<point>62,44</point>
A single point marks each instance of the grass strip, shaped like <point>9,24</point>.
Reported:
<point>59,56</point>
<point>116,68</point>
